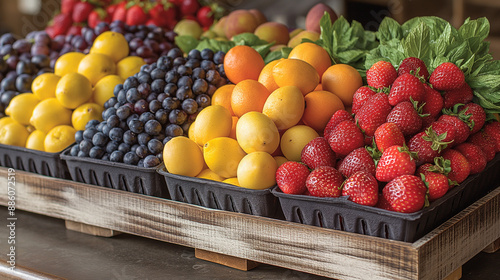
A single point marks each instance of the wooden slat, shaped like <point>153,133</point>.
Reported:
<point>493,247</point>
<point>226,260</point>
<point>455,275</point>
<point>89,229</point>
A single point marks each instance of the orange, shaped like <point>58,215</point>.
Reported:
<point>320,106</point>
<point>266,76</point>
<point>296,72</point>
<point>247,96</point>
<point>312,54</point>
<point>343,80</point>
<point>222,96</point>
<point>233,128</point>
<point>243,62</point>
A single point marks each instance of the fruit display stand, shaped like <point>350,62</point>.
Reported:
<point>232,237</point>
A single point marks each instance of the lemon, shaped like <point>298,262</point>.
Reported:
<point>280,160</point>
<point>21,107</point>
<point>96,66</point>
<point>222,155</point>
<point>59,138</point>
<point>14,134</point>
<point>285,106</point>
<point>232,181</point>
<point>73,90</point>
<point>36,140</point>
<point>257,132</point>
<point>84,113</point>
<point>68,63</point>
<point>182,156</point>
<point>295,139</point>
<point>103,90</point>
<point>5,121</point>
<point>257,171</point>
<point>210,175</point>
<point>213,121</point>
<point>112,44</point>
<point>48,114</point>
<point>129,66</point>
<point>44,86</point>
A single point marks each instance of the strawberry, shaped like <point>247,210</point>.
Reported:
<point>441,127</point>
<point>81,11</point>
<point>120,12</point>
<point>60,25</point>
<point>484,141</point>
<point>291,177</point>
<point>338,117</point>
<point>67,6</point>
<point>163,15</point>
<point>381,75</point>
<point>318,153</point>
<point>477,118</point>
<point>413,65</point>
<point>406,88</point>
<point>405,193</point>
<point>427,145</point>
<point>74,30</point>
<point>383,203</point>
<point>359,98</point>
<point>475,156</point>
<point>97,16</point>
<point>388,135</point>
<point>406,117</point>
<point>373,113</point>
<point>447,76</point>
<point>433,101</point>
<point>345,138</point>
<point>395,161</point>
<point>189,7</point>
<point>205,16</point>
<point>461,95</point>
<point>325,181</point>
<point>493,130</point>
<point>436,183</point>
<point>362,188</point>
<point>136,16</point>
<point>462,129</point>
<point>357,160</point>
<point>460,167</point>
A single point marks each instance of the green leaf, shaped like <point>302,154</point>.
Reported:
<point>443,41</point>
<point>186,43</point>
<point>215,45</point>
<point>263,50</point>
<point>248,39</point>
<point>389,29</point>
<point>479,28</point>
<point>417,43</point>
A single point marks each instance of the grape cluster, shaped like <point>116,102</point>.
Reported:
<point>151,107</point>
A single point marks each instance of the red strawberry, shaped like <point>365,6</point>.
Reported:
<point>205,16</point>
<point>427,145</point>
<point>67,6</point>
<point>388,135</point>
<point>460,167</point>
<point>338,117</point>
<point>318,153</point>
<point>475,156</point>
<point>395,161</point>
<point>120,12</point>
<point>325,181</point>
<point>383,203</point>
<point>357,160</point>
<point>462,129</point>
<point>60,25</point>
<point>493,130</point>
<point>381,75</point>
<point>405,88</point>
<point>441,127</point>
<point>136,16</point>
<point>163,15</point>
<point>406,117</point>
<point>74,30</point>
<point>415,65</point>
<point>447,76</point>
<point>345,138</point>
<point>359,98</point>
<point>477,118</point>
<point>362,188</point>
<point>433,102</point>
<point>461,95</point>
<point>189,7</point>
<point>97,16</point>
<point>373,113</point>
<point>436,183</point>
<point>81,11</point>
<point>484,141</point>
<point>291,177</point>
<point>405,193</point>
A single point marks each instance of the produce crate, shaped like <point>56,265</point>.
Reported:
<point>116,175</point>
<point>342,214</point>
<point>39,162</point>
<point>222,196</point>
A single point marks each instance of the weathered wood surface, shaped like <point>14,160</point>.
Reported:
<point>234,262</point>
<point>330,253</point>
<point>493,247</point>
<point>89,229</point>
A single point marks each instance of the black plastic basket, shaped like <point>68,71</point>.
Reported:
<point>115,175</point>
<point>342,214</point>
<point>39,162</point>
<point>222,196</point>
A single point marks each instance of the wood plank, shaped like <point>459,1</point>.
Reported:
<point>455,275</point>
<point>493,247</point>
<point>90,229</point>
<point>226,260</point>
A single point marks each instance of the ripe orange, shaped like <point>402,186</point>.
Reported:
<point>343,80</point>
<point>222,96</point>
<point>312,54</point>
<point>248,95</point>
<point>243,62</point>
<point>320,106</point>
<point>266,76</point>
<point>296,72</point>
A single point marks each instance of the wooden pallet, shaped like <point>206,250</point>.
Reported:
<point>331,253</point>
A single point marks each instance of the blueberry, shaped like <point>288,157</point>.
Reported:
<point>74,150</point>
<point>130,158</point>
<point>146,117</point>
<point>168,138</point>
<point>158,85</point>
<point>89,133</point>
<point>142,151</point>
<point>112,146</point>
<point>154,106</point>
<point>82,154</point>
<point>144,90</point>
<point>129,137</point>
<point>207,65</point>
<point>183,70</point>
<point>85,146</point>
<point>121,97</point>
<point>144,77</point>
<point>200,86</point>
<point>198,73</point>
<point>92,123</point>
<point>192,63</point>
<point>110,102</point>
<point>113,121</point>
<point>79,136</point>
<point>207,54</point>
<point>124,112</point>
<point>124,147</point>
<point>133,95</point>
<point>116,134</point>
<point>151,161</point>
<point>141,106</point>
<point>170,89</point>
<point>143,138</point>
<point>130,82</point>
<point>189,106</point>
<point>203,100</point>
<point>101,125</point>
<point>158,73</point>
<point>96,152</point>
<point>219,57</point>
<point>116,156</point>
<point>173,130</point>
<point>194,54</point>
<point>117,89</point>
<point>185,81</point>
<point>152,127</point>
<point>161,116</point>
<point>100,139</point>
<point>155,146</point>
<point>174,53</point>
<point>136,125</point>
<point>184,93</point>
<point>172,76</point>
<point>108,113</point>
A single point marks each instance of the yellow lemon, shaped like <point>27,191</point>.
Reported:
<point>84,113</point>
<point>68,63</point>
<point>210,175</point>
<point>48,114</point>
<point>103,90</point>
<point>44,86</point>
<point>14,134</point>
<point>96,66</point>
<point>129,66</point>
<point>5,121</point>
<point>280,160</point>
<point>73,90</point>
<point>256,132</point>
<point>182,156</point>
<point>213,121</point>
<point>36,140</point>
<point>59,138</point>
<point>285,106</point>
<point>232,181</point>
<point>295,139</point>
<point>21,107</point>
<point>257,170</point>
<point>222,155</point>
<point>112,44</point>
